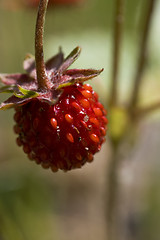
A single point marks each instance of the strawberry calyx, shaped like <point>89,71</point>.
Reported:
<point>24,87</point>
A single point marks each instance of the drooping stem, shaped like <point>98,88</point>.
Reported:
<point>118,29</point>
<point>142,55</point>
<point>39,55</point>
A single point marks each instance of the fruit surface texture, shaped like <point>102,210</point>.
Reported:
<point>64,135</point>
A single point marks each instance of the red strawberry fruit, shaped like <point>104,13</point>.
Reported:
<point>59,121</point>
<point>64,135</point>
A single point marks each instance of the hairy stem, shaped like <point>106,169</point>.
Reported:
<point>142,55</point>
<point>39,55</point>
<point>118,28</point>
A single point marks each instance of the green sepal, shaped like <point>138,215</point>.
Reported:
<point>66,84</point>
<point>73,76</point>
<point>7,106</point>
<point>7,89</point>
<point>12,102</point>
<point>24,93</point>
<point>71,58</point>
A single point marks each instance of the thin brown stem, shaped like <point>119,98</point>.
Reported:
<point>118,29</point>
<point>39,55</point>
<point>142,55</point>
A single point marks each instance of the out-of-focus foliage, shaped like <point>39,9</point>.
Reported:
<point>25,205</point>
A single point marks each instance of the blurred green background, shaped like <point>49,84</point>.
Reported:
<point>38,204</point>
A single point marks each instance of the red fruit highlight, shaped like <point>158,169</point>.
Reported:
<point>64,135</point>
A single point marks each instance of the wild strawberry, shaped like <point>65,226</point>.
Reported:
<point>59,121</point>
<point>63,127</point>
<point>64,135</point>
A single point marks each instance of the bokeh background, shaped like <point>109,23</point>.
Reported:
<point>38,204</point>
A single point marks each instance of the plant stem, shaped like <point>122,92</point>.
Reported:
<point>142,55</point>
<point>118,27</point>
<point>112,192</point>
<point>142,112</point>
<point>42,79</point>
<point>113,167</point>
